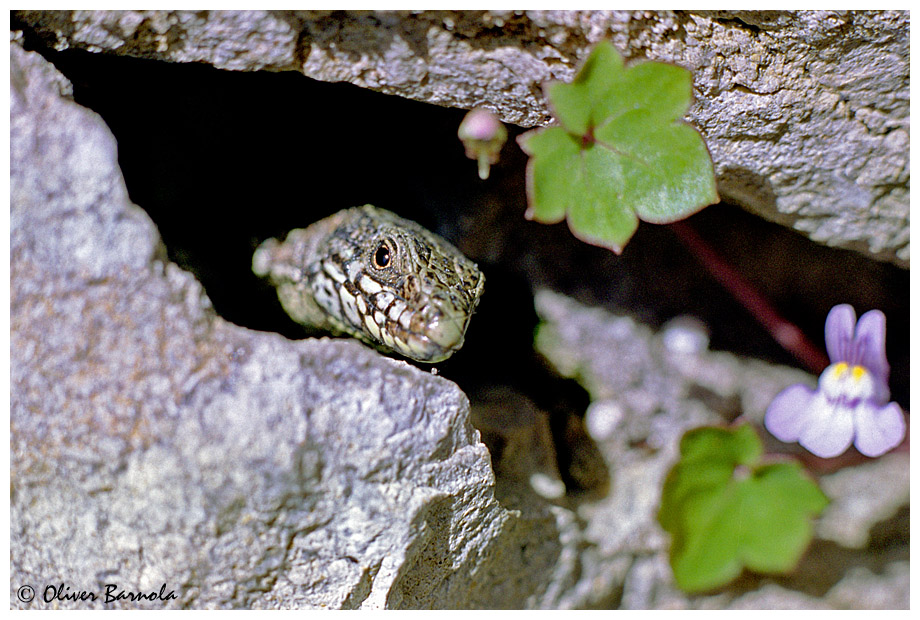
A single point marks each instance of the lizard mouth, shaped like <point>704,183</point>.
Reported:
<point>439,328</point>
<point>442,337</point>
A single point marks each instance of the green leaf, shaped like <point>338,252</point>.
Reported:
<point>726,511</point>
<point>621,153</point>
<point>575,103</point>
<point>558,171</point>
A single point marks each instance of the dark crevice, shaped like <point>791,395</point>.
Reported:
<point>223,160</point>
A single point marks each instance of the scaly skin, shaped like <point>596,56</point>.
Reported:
<point>373,275</point>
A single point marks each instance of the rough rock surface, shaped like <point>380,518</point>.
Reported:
<point>806,114</point>
<point>646,393</point>
<point>154,443</point>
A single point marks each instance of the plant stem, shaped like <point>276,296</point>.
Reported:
<point>785,333</point>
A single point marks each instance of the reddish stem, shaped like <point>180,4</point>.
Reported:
<point>785,333</point>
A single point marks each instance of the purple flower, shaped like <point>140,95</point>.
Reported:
<point>852,395</point>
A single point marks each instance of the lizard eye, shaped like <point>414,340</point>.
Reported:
<point>383,255</point>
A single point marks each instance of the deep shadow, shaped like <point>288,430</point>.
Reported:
<point>222,160</point>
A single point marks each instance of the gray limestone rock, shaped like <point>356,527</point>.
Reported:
<point>154,444</point>
<point>645,394</point>
<point>859,501</point>
<point>806,113</point>
<point>863,589</point>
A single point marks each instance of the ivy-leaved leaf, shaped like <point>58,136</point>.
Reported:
<point>725,510</point>
<point>620,153</point>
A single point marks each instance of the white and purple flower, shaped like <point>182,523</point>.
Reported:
<point>852,395</point>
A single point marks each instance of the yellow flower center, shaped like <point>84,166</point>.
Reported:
<point>849,381</point>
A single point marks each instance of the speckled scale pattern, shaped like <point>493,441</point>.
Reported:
<point>371,274</point>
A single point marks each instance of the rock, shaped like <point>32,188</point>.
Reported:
<point>155,444</point>
<point>645,395</point>
<point>862,589</point>
<point>806,113</point>
<point>160,448</point>
<point>862,496</point>
<point>773,597</point>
